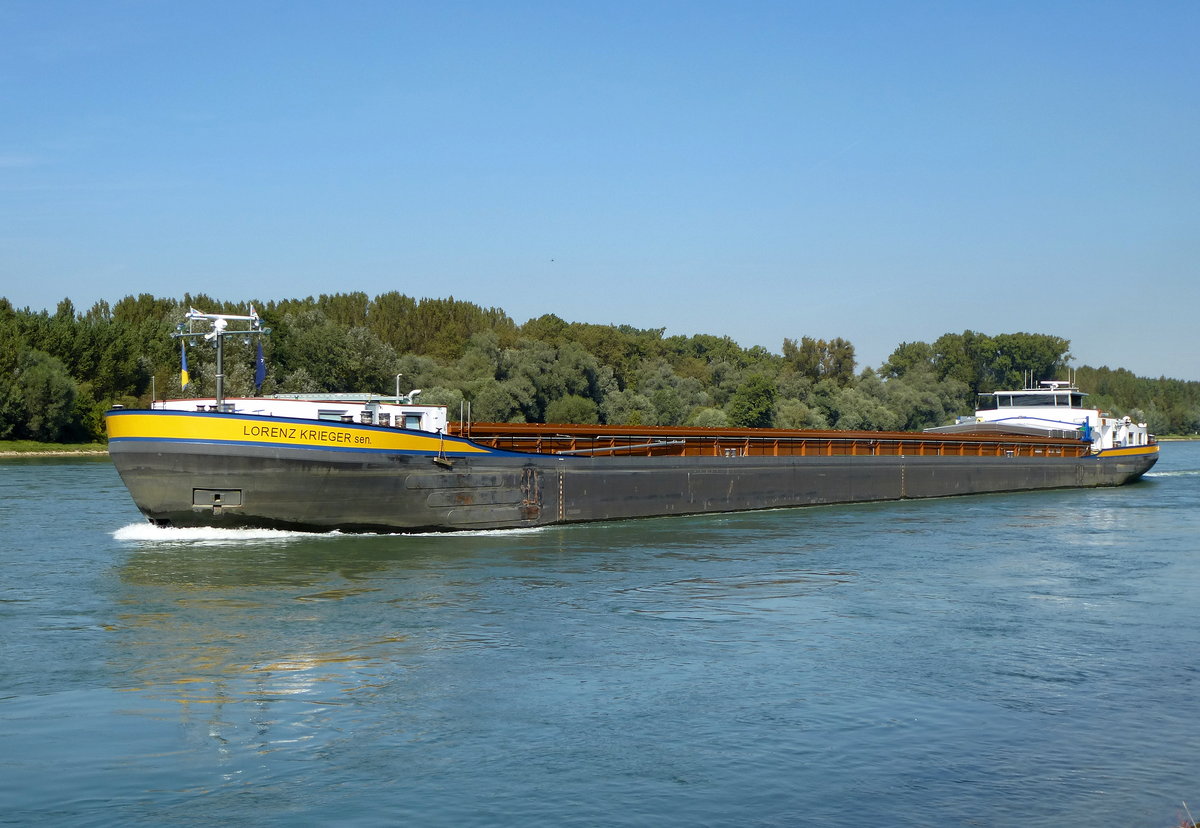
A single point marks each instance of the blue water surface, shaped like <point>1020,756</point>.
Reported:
<point>1025,659</point>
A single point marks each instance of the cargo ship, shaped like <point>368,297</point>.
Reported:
<point>370,463</point>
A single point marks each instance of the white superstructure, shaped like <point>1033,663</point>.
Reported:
<point>368,409</point>
<point>1055,405</point>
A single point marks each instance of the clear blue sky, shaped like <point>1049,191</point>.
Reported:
<point>878,171</point>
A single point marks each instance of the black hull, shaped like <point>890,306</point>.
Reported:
<point>185,484</point>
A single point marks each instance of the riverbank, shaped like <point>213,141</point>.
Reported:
<point>31,448</point>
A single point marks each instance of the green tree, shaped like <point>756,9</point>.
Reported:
<point>838,363</point>
<point>920,400</point>
<point>547,328</point>
<point>672,396</point>
<point>502,402</point>
<point>388,317</point>
<point>817,359</point>
<point>452,398</point>
<point>709,418</point>
<point>753,404</point>
<point>442,327</point>
<point>863,407</point>
<point>628,408</point>
<point>907,356</point>
<point>804,358</point>
<point>346,310</point>
<point>1039,356</point>
<point>965,357</point>
<point>335,358</point>
<point>572,409</point>
<point>41,400</point>
<point>12,345</point>
<point>792,413</point>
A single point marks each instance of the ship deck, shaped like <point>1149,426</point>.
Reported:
<point>685,441</point>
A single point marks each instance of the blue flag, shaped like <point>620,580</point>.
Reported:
<point>184,379</point>
<point>260,370</point>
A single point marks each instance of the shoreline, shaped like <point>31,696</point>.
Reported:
<point>103,452</point>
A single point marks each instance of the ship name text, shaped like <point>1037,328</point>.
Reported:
<point>319,435</point>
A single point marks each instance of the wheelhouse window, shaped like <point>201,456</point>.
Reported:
<point>990,402</point>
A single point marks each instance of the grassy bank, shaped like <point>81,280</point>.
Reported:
<point>32,448</point>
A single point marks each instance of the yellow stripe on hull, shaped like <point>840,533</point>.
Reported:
<point>1131,451</point>
<point>218,428</point>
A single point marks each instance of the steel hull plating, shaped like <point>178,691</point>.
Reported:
<point>183,483</point>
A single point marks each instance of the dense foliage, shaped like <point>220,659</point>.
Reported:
<point>60,371</point>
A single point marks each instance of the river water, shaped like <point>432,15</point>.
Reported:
<point>1026,659</point>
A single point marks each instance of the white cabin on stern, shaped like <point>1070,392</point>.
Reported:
<point>1059,406</point>
<point>1051,409</point>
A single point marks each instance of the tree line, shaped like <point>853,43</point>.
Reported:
<point>60,371</point>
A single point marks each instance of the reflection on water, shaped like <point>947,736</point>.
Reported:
<point>255,614</point>
<point>257,638</point>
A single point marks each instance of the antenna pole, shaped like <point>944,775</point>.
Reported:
<point>219,323</point>
<point>220,372</point>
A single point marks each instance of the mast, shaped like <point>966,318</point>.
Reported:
<point>218,328</point>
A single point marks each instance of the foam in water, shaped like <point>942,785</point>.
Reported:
<point>178,534</point>
<point>149,533</point>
